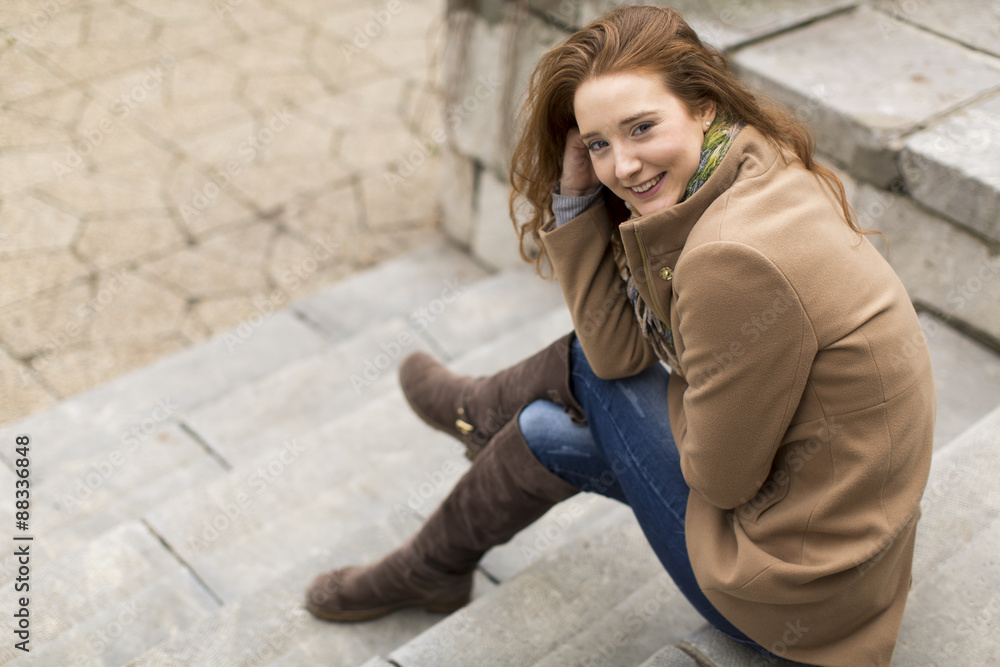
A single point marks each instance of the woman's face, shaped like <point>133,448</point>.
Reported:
<point>643,142</point>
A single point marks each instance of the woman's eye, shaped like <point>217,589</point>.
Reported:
<point>596,145</point>
<point>642,127</point>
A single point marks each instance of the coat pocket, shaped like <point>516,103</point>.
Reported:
<point>773,491</point>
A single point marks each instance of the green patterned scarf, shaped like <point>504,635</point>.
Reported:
<point>718,139</point>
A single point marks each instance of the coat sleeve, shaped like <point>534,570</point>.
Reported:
<point>748,347</point>
<point>603,317</point>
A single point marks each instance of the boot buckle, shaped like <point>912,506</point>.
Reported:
<point>465,427</point>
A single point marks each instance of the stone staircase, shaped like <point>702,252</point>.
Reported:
<point>180,511</point>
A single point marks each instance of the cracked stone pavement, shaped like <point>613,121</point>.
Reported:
<point>171,169</point>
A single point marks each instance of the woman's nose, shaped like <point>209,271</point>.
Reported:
<point>627,164</point>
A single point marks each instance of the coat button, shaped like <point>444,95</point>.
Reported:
<point>667,273</point>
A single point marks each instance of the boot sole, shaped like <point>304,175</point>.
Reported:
<point>437,607</point>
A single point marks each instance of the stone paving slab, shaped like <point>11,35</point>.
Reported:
<point>516,624</point>
<point>631,631</point>
<point>952,617</point>
<point>425,276</point>
<point>508,299</point>
<point>710,647</point>
<point>234,530</point>
<point>966,378</point>
<point>962,497</point>
<point>120,593</point>
<point>942,267</point>
<point>218,152</point>
<point>258,417</point>
<point>186,379</point>
<point>271,626</point>
<point>977,25</point>
<point>670,656</point>
<point>952,169</point>
<point>96,483</point>
<point>862,80</point>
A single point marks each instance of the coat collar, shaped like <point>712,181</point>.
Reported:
<point>654,243</point>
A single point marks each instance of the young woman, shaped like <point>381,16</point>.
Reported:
<point>777,467</point>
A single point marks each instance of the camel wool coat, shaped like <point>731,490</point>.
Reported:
<point>801,398</point>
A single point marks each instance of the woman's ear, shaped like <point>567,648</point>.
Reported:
<point>707,115</point>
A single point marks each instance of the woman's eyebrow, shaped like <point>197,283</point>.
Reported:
<point>623,122</point>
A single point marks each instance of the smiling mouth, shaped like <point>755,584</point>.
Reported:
<point>643,187</point>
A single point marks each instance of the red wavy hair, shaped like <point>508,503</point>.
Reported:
<point>636,39</point>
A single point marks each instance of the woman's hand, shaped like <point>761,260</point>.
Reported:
<point>578,176</point>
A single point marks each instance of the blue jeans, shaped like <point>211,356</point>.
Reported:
<point>626,451</point>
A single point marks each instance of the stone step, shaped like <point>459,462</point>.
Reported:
<point>595,582</point>
<point>81,495</point>
<point>966,378</point>
<point>261,345</point>
<point>946,270</point>
<point>270,625</point>
<point>422,278</point>
<point>106,602</point>
<point>962,497</point>
<point>953,616</point>
<point>176,384</point>
<point>233,531</point>
<point>861,113</point>
<point>249,420</point>
<point>951,167</point>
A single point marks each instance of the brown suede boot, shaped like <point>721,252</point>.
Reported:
<point>473,409</point>
<point>505,490</point>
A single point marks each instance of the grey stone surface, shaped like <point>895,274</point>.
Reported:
<point>186,379</point>
<point>966,377</point>
<point>494,238</point>
<point>975,23</point>
<point>533,614</point>
<point>458,182</point>
<point>259,417</point>
<point>861,85</point>
<point>96,483</point>
<point>473,62</point>
<point>953,617</point>
<point>949,270</point>
<point>631,631</point>
<point>378,461</point>
<point>110,599</point>
<point>710,647</point>
<point>398,287</point>
<point>951,167</point>
<point>962,497</point>
<point>722,24</point>
<point>269,625</point>
<point>670,656</point>
<point>491,307</point>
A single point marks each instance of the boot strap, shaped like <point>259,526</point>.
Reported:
<point>463,426</point>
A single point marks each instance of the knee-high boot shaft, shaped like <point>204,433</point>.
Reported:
<point>505,490</point>
<point>474,409</point>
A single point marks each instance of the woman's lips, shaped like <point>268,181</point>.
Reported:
<point>651,190</point>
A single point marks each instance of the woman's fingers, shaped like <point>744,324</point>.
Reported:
<point>578,176</point>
